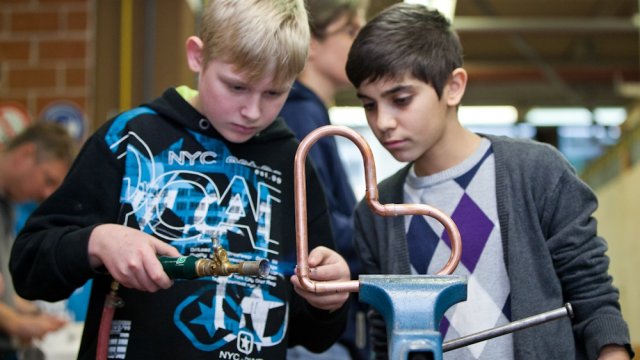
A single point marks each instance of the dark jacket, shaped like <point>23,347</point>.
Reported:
<point>163,169</point>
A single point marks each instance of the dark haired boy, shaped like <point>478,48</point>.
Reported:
<point>530,243</point>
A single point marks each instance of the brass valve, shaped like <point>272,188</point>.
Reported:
<point>219,265</point>
<point>191,267</point>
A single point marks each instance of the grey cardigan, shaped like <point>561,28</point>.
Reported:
<point>552,252</point>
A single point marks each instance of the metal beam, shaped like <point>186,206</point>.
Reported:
<point>521,24</point>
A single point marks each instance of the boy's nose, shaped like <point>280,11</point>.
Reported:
<point>385,120</point>
<point>251,109</point>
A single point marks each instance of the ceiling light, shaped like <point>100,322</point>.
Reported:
<point>575,116</point>
<point>445,7</point>
<point>610,116</point>
<point>352,116</point>
<point>487,115</point>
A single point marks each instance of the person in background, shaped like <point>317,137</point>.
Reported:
<point>334,24</point>
<point>170,177</point>
<point>529,239</point>
<point>32,166</point>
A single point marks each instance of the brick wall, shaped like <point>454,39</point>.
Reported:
<point>45,55</point>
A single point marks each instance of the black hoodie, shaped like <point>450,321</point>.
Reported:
<point>163,169</point>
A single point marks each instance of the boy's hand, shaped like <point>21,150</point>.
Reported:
<point>325,265</point>
<point>32,327</point>
<point>613,352</point>
<point>130,256</point>
<point>27,327</point>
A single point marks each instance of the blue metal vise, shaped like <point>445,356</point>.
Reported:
<point>412,307</point>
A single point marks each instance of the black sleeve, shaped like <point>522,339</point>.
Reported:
<point>365,237</point>
<point>49,259</point>
<point>316,329</point>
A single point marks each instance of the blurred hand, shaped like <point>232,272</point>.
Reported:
<point>325,265</point>
<point>613,352</point>
<point>23,306</point>
<point>130,256</point>
<point>31,327</point>
<point>27,327</point>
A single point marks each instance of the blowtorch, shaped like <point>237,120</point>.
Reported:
<point>182,267</point>
<point>191,267</point>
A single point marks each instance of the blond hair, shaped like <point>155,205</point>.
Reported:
<point>258,36</point>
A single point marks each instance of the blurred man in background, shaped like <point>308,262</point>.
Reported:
<point>32,165</point>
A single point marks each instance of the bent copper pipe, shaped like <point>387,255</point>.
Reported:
<point>300,188</point>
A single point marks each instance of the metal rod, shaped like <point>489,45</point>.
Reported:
<point>542,318</point>
<point>300,190</point>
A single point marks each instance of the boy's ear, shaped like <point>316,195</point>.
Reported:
<point>313,48</point>
<point>194,53</point>
<point>456,86</point>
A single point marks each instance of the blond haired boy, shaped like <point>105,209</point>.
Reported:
<point>166,177</point>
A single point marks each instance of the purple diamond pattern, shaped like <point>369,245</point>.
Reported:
<point>475,228</point>
<point>444,326</point>
<point>422,242</point>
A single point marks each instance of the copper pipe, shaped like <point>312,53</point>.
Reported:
<point>302,268</point>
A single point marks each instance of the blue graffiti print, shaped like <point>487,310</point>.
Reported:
<point>189,197</point>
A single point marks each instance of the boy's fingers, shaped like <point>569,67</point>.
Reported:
<point>322,273</point>
<point>321,256</point>
<point>163,248</point>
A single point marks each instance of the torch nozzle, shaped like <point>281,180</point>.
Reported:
<point>211,267</point>
<point>258,268</point>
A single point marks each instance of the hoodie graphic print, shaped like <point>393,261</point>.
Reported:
<point>188,196</point>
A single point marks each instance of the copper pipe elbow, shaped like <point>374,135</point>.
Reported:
<point>300,188</point>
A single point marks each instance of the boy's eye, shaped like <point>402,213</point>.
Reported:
<point>237,88</point>
<point>274,93</point>
<point>368,106</point>
<point>353,30</point>
<point>402,101</point>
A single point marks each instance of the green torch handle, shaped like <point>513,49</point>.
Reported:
<point>183,267</point>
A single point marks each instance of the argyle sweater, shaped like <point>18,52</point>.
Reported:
<point>466,192</point>
<point>551,247</point>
